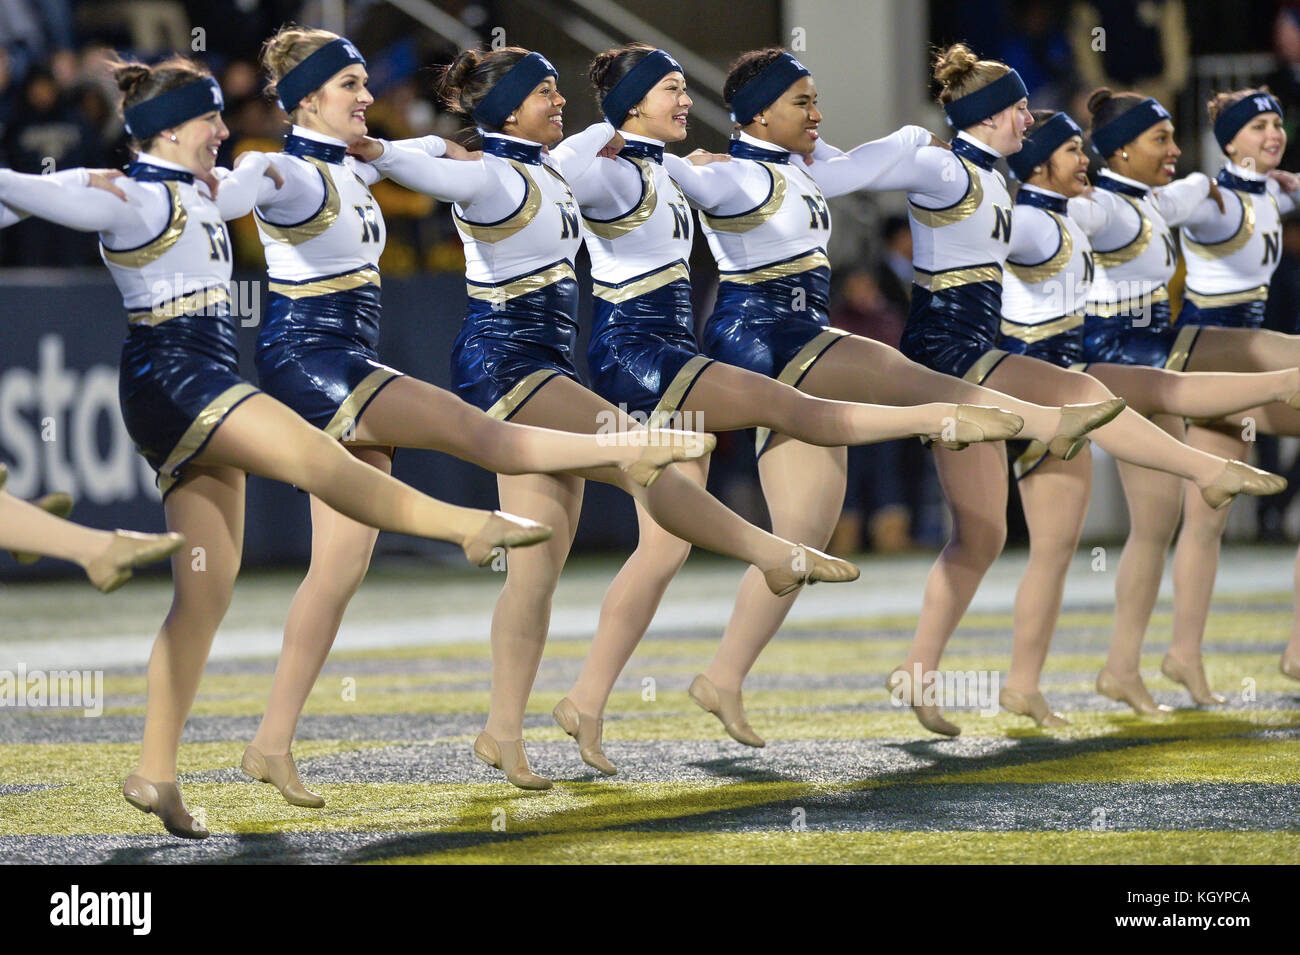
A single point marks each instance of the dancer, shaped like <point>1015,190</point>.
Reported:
<point>960,241</point>
<point>643,355</point>
<point>198,424</point>
<point>317,354</point>
<point>1045,287</point>
<point>513,357</point>
<point>1134,207</point>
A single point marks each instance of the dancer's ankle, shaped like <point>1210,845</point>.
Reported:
<point>729,682</point>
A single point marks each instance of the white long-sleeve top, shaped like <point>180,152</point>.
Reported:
<point>1048,269</point>
<point>515,218</point>
<point>166,240</point>
<point>1133,246</point>
<point>1236,250</point>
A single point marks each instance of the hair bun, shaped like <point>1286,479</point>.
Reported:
<point>129,76</point>
<point>953,64</point>
<point>1099,98</point>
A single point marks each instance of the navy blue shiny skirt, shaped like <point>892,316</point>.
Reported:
<point>950,329</point>
<point>763,326</point>
<point>639,346</point>
<point>1064,349</point>
<point>501,344</point>
<point>178,380</point>
<point>319,355</point>
<point>1118,340</point>
<point>1244,315</point>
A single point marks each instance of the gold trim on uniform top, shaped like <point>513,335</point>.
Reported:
<point>345,418</point>
<point>640,214</point>
<point>963,208</point>
<point>184,305</point>
<point>1182,347</point>
<point>682,383</point>
<point>641,286</point>
<point>316,223</point>
<point>1044,270</point>
<point>1129,306</point>
<point>200,430</point>
<point>953,278</point>
<point>796,368</point>
<point>1234,242</point>
<point>142,255</point>
<point>529,206</point>
<point>337,283</point>
<point>778,270</point>
<point>1036,333</point>
<point>1224,299</point>
<point>984,366</point>
<point>524,389</point>
<point>522,286</point>
<point>759,214</point>
<point>1132,249</point>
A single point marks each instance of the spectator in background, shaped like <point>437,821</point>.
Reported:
<point>1127,45</point>
<point>1284,81</point>
<point>894,274</point>
<point>1282,314</point>
<point>1039,50</point>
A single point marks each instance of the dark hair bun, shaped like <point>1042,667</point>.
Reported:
<point>1099,98</point>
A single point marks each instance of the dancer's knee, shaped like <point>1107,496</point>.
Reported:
<point>977,542</point>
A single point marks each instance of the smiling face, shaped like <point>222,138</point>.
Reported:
<point>540,117</point>
<point>1259,144</point>
<point>1066,170</point>
<point>662,113</point>
<point>792,121</point>
<point>197,142</point>
<point>338,108</point>
<point>1152,157</point>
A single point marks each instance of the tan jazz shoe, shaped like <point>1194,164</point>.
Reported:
<point>503,530</point>
<point>509,757</point>
<point>1131,691</point>
<point>1077,421</point>
<point>1240,478</point>
<point>815,566</point>
<point>587,731</point>
<point>129,550</point>
<point>1032,705</point>
<point>977,423</point>
<point>665,446</point>
<point>164,801</point>
<point>58,504</point>
<point>281,773</point>
<point>1289,664</point>
<point>728,707</point>
<point>931,717</point>
<point>1192,677</point>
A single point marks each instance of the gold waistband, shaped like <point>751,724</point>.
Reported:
<point>952,278</point>
<point>522,286</point>
<point>1036,333</point>
<point>1223,299</point>
<point>1129,307</point>
<point>185,305</point>
<point>642,286</point>
<point>337,283</point>
<point>778,270</point>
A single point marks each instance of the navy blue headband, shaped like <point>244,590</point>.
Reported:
<point>149,118</point>
<point>1040,143</point>
<point>1242,112</point>
<point>313,73</point>
<point>1007,90</point>
<point>1128,126</point>
<point>766,88</point>
<point>631,89</point>
<point>512,89</point>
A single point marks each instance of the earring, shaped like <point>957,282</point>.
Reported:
<point>1123,154</point>
<point>1037,170</point>
<point>633,111</point>
<point>763,121</point>
<point>1228,150</point>
<point>510,118</point>
<point>173,137</point>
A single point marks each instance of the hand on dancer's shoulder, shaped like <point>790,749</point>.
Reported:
<point>1289,181</point>
<point>368,149</point>
<point>103,179</point>
<point>611,149</point>
<point>942,144</point>
<point>701,157</point>
<point>455,150</point>
<point>1217,196</point>
<point>270,172</point>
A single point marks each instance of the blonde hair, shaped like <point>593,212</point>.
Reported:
<point>958,71</point>
<point>1222,101</point>
<point>290,46</point>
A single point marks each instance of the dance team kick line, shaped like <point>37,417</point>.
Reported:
<point>988,312</point>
